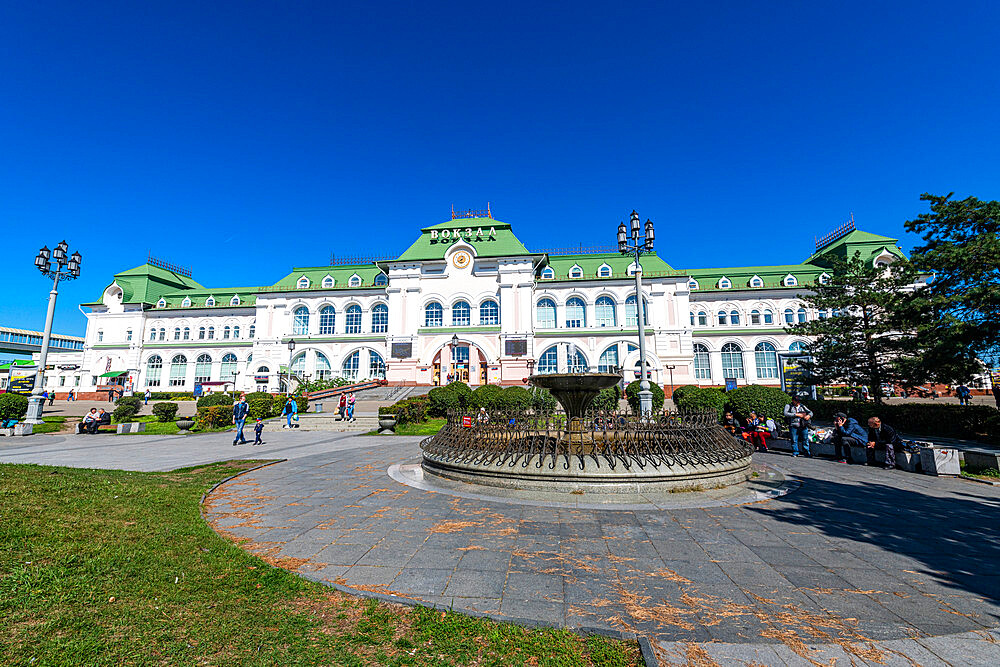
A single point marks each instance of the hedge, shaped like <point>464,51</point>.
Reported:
<point>607,399</point>
<point>699,399</point>
<point>126,407</point>
<point>488,396</point>
<point>218,398</point>
<point>214,416</point>
<point>261,408</point>
<point>632,394</point>
<point>767,402</point>
<point>409,410</point>
<point>516,398</point>
<point>969,422</point>
<point>301,403</point>
<point>452,396</point>
<point>13,406</point>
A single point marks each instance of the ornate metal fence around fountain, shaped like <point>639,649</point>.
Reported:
<point>509,439</point>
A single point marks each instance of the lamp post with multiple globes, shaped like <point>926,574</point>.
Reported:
<point>641,243</point>
<point>57,265</point>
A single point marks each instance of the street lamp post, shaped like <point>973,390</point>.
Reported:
<point>642,243</point>
<point>453,372</point>
<point>671,369</point>
<point>57,266</point>
<point>291,350</point>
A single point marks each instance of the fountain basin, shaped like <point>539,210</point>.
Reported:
<point>575,391</point>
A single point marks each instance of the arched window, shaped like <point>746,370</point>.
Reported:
<point>352,319</point>
<point>178,370</point>
<point>349,371</point>
<point>380,318</point>
<point>722,318</point>
<point>201,333</point>
<point>822,314</point>
<point>210,302</point>
<point>236,332</point>
<point>756,282</point>
<point>631,318</point>
<point>754,317</point>
<point>548,273</point>
<point>575,272</point>
<point>692,284</point>
<point>100,335</point>
<point>798,347</point>
<point>226,331</point>
<point>725,283</point>
<point>734,317</point>
<point>381,280</point>
<point>227,370</point>
<point>433,315</point>
<point>235,301</point>
<point>187,333</point>
<point>162,303</point>
<point>801,313</point>
<point>354,281</point>
<point>323,368</point>
<point>824,279</point>
<point>766,359</point>
<point>203,368</point>
<point>376,365</point>
<point>604,271</point>
<point>549,361</point>
<point>154,366</point>
<point>545,314</point>
<point>327,282</point>
<point>299,365</point>
<point>768,316</point>
<point>702,364</point>
<point>702,318</point>
<point>211,333</point>
<point>692,317</point>
<point>576,313</point>
<point>575,361</point>
<point>608,362</point>
<point>604,310</point>
<point>327,320</point>
<point>303,283</point>
<point>177,333</point>
<point>163,333</point>
<point>732,361</point>
<point>152,334</point>
<point>300,321</point>
<point>253,330</point>
<point>186,303</point>
<point>461,314</point>
<point>489,313</point>
<point>789,316</point>
<point>790,281</point>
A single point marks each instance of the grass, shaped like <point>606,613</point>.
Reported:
<point>429,427</point>
<point>50,425</point>
<point>988,474</point>
<point>112,567</point>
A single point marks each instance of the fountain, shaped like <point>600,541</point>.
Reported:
<point>578,450</point>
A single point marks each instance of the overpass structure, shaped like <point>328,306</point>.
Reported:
<point>22,341</point>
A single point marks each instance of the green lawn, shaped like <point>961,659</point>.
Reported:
<point>51,425</point>
<point>429,427</point>
<point>112,567</point>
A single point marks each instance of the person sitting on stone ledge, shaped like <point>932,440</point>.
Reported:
<point>755,431</point>
<point>847,433</point>
<point>732,424</point>
<point>884,436</point>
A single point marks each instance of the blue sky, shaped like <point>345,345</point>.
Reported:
<point>242,138</point>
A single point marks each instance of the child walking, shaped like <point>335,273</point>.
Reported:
<point>258,428</point>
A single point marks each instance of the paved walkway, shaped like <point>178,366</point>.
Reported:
<point>861,562</point>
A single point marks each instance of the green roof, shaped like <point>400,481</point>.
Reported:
<point>772,276</point>
<point>867,244</point>
<point>147,283</point>
<point>590,263</point>
<point>432,244</point>
<point>341,277</point>
<point>223,297</point>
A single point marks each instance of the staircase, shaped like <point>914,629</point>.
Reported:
<point>328,421</point>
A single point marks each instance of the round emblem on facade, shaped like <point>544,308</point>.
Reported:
<point>461,259</point>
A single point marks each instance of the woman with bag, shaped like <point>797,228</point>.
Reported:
<point>290,410</point>
<point>343,406</point>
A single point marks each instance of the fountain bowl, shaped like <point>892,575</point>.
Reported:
<point>575,391</point>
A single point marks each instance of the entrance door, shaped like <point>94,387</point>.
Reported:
<point>460,363</point>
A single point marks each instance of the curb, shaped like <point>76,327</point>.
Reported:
<point>645,647</point>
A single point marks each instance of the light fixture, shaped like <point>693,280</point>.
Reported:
<point>291,345</point>
<point>635,225</point>
<point>454,339</point>
<point>622,237</point>
<point>74,264</point>
<point>41,261</point>
<point>59,252</point>
<point>649,234</point>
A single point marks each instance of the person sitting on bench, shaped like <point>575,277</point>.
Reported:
<point>88,419</point>
<point>102,418</point>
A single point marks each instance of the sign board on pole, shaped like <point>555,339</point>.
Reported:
<point>197,389</point>
<point>22,379</point>
<point>794,377</point>
<point>730,384</point>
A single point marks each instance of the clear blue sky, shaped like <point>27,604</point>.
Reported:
<point>241,138</point>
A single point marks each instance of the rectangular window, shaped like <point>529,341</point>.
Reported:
<point>128,335</point>
<point>76,381</point>
<point>62,380</point>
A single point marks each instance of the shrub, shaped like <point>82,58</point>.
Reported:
<point>165,412</point>
<point>946,421</point>
<point>515,398</point>
<point>219,398</point>
<point>261,408</point>
<point>409,410</point>
<point>632,394</point>
<point>768,402</point>
<point>607,399</point>
<point>679,392</point>
<point>700,399</point>
<point>213,416</point>
<point>13,406</point>
<point>441,401</point>
<point>488,396</point>
<point>301,403</point>
<point>126,407</point>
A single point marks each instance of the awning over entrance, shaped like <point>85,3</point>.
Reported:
<point>113,374</point>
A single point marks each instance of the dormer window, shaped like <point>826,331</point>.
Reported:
<point>790,281</point>
<point>632,269</point>
<point>693,284</point>
<point>548,273</point>
<point>162,303</point>
<point>209,302</point>
<point>824,279</point>
<point>604,271</point>
<point>355,281</point>
<point>186,303</point>
<point>303,283</point>
<point>381,280</point>
<point>327,282</point>
<point>756,281</point>
<point>576,271</point>
<point>235,301</point>
<point>724,283</point>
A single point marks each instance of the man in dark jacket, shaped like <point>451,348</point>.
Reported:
<point>847,433</point>
<point>240,411</point>
<point>882,435</point>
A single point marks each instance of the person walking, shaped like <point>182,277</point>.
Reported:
<point>290,410</point>
<point>342,406</point>
<point>45,396</point>
<point>799,417</point>
<point>883,435</point>
<point>52,397</point>
<point>69,396</point>
<point>847,433</point>
<point>240,411</point>
<point>350,406</point>
<point>963,393</point>
<point>258,429</point>
<point>145,397</point>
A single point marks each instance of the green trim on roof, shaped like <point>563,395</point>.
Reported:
<point>652,266</point>
<point>502,244</point>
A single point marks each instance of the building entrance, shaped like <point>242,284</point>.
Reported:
<point>460,363</point>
